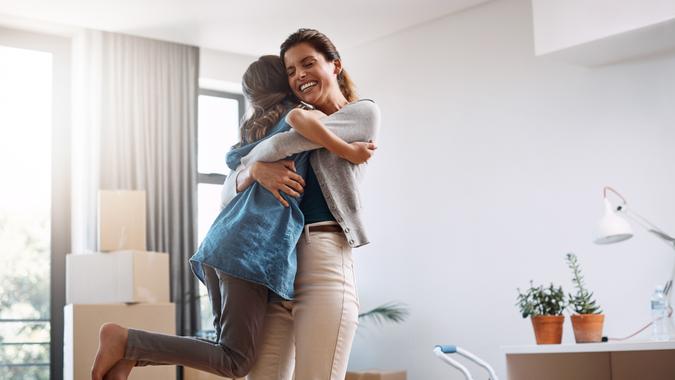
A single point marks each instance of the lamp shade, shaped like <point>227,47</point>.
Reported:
<point>612,228</point>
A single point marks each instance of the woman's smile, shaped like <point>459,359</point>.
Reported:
<point>307,86</point>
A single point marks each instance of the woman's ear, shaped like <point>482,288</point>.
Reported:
<point>337,63</point>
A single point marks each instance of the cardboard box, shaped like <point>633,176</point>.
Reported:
<point>83,322</point>
<point>376,375</point>
<point>117,277</point>
<point>193,374</point>
<point>121,220</point>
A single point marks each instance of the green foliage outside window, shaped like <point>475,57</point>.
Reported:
<point>24,294</point>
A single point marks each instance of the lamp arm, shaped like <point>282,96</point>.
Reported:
<point>647,225</point>
<point>656,231</point>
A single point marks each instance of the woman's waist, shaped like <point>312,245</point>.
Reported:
<point>324,226</point>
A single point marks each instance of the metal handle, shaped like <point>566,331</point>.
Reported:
<point>443,352</point>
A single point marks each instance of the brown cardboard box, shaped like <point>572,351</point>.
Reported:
<point>193,374</point>
<point>80,335</point>
<point>121,220</point>
<point>117,277</point>
<point>376,375</point>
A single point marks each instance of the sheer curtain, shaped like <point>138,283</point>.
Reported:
<point>134,128</point>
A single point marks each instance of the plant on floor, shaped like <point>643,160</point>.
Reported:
<point>389,312</point>
<point>582,302</point>
<point>537,301</point>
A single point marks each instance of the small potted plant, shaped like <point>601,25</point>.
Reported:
<point>544,306</point>
<point>587,319</point>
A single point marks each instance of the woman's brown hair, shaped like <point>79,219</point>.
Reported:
<point>265,85</point>
<point>325,46</point>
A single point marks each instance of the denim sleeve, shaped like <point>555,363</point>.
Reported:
<point>234,156</point>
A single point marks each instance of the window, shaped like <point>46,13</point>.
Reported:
<point>219,114</point>
<point>25,213</point>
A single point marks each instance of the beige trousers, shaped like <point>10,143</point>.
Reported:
<point>311,337</point>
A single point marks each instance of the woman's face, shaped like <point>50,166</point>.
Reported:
<point>312,79</point>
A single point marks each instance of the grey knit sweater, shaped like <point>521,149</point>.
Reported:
<point>338,178</point>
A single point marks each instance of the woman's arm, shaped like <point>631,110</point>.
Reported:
<point>356,122</point>
<point>308,124</point>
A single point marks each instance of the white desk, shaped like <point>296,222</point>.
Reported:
<point>631,360</point>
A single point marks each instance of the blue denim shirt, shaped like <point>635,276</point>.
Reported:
<point>254,236</point>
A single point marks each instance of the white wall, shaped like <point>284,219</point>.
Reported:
<point>490,168</point>
<point>560,24</point>
<point>220,70</point>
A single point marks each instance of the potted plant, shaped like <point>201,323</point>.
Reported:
<point>389,312</point>
<point>587,320</point>
<point>544,306</point>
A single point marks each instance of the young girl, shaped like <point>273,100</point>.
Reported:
<point>248,257</point>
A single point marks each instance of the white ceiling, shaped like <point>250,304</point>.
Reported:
<point>251,27</point>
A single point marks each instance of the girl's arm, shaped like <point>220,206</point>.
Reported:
<point>231,187</point>
<point>356,122</point>
<point>308,124</point>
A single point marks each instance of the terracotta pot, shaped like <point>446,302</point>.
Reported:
<point>548,328</point>
<point>587,327</point>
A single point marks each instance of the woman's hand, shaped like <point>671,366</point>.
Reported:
<point>360,152</point>
<point>278,177</point>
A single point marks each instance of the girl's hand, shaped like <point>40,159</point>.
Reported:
<point>360,152</point>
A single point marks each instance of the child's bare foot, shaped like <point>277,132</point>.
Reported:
<point>121,370</point>
<point>112,343</point>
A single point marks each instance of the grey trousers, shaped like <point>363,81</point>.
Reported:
<point>239,311</point>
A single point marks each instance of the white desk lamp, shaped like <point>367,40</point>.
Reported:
<point>613,228</point>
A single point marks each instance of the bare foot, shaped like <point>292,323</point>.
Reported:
<point>121,370</point>
<point>112,342</point>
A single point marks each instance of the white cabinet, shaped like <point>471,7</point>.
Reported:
<point>643,360</point>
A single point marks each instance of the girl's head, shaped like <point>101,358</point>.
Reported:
<point>266,88</point>
<point>314,69</point>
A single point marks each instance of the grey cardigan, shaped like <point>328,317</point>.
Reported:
<point>338,178</point>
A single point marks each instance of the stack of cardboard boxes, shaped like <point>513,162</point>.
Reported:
<point>122,283</point>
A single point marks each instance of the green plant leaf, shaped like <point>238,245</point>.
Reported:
<point>389,312</point>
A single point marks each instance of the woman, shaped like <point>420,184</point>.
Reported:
<point>312,335</point>
<point>248,254</point>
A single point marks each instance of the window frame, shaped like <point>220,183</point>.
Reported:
<point>217,178</point>
<point>59,45</point>
<point>212,179</point>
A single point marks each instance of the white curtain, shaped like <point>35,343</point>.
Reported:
<point>135,116</point>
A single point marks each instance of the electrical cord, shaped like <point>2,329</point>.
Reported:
<point>670,313</point>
